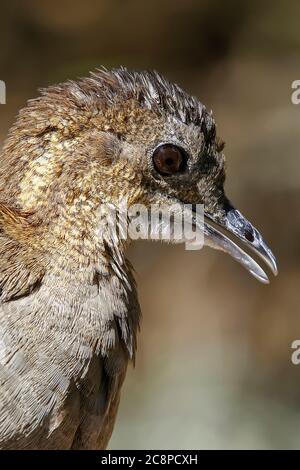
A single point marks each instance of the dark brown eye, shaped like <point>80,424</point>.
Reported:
<point>168,159</point>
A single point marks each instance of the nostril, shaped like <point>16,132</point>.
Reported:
<point>248,233</point>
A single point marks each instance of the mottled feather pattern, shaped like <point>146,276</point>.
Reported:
<point>69,313</point>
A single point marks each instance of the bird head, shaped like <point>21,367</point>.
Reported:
<point>120,134</point>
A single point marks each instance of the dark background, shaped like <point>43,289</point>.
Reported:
<point>214,358</point>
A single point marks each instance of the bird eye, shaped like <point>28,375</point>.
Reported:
<point>168,159</point>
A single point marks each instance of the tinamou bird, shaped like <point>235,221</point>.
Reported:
<point>69,312</point>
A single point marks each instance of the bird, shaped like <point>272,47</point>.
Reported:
<point>69,309</point>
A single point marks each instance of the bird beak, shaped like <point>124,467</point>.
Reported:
<point>234,224</point>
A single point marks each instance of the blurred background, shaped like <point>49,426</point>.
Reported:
<point>214,366</point>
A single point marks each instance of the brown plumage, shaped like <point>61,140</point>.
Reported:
<point>69,313</point>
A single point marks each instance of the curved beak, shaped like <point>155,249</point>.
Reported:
<point>216,235</point>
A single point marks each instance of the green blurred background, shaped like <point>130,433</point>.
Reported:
<point>214,355</point>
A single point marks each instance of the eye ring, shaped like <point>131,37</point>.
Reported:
<point>169,159</point>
